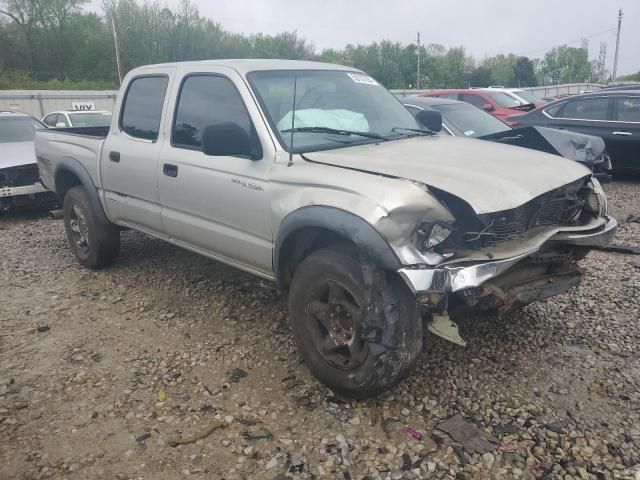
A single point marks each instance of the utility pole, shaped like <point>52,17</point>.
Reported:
<point>115,41</point>
<point>418,54</point>
<point>615,59</point>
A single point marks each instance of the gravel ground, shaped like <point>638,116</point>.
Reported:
<point>99,371</point>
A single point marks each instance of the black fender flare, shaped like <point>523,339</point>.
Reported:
<point>75,167</point>
<point>344,223</point>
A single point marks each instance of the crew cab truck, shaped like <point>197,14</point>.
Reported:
<point>315,177</point>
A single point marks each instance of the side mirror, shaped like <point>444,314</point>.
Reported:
<point>488,107</point>
<point>431,119</point>
<point>229,139</point>
<point>60,125</point>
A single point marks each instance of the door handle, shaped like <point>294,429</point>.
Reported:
<point>624,134</point>
<point>170,170</point>
<point>114,156</point>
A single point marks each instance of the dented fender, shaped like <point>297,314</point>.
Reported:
<point>379,213</point>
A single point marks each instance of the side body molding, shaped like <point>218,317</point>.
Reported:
<point>68,164</point>
<point>344,223</point>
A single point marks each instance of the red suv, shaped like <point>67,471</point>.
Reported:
<point>498,104</point>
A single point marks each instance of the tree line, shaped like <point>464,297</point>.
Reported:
<point>59,44</point>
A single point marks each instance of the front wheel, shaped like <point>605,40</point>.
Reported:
<point>94,243</point>
<point>356,326</point>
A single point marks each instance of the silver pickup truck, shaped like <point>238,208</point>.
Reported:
<point>315,177</point>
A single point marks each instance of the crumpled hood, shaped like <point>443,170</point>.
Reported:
<point>16,153</point>
<point>490,177</point>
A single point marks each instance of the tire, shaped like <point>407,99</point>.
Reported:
<point>357,327</point>
<point>94,243</point>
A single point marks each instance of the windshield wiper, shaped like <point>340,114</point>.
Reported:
<point>417,130</point>
<point>336,131</point>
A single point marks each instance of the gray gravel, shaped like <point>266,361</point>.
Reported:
<point>165,343</point>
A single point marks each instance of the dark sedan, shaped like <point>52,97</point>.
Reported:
<point>611,114</point>
<point>461,119</point>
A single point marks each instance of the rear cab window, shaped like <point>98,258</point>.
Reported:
<point>141,112</point>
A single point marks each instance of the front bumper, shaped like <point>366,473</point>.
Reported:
<point>23,190</point>
<point>27,196</point>
<point>452,278</point>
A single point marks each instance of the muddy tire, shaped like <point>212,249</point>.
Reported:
<point>357,327</point>
<point>94,243</point>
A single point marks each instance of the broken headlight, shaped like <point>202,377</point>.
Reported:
<point>432,234</point>
<point>595,199</point>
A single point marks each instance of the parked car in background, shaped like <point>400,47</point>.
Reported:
<point>611,114</point>
<point>522,96</point>
<point>19,178</point>
<point>498,104</point>
<point>77,118</point>
<point>463,120</point>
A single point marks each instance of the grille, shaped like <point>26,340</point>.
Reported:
<point>558,207</point>
<point>19,176</point>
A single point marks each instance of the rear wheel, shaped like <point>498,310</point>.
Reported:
<point>358,331</point>
<point>94,243</point>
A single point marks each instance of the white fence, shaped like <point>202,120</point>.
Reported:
<point>542,92</point>
<point>40,102</point>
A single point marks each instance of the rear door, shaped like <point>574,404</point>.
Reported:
<point>624,141</point>
<point>216,204</point>
<point>130,153</point>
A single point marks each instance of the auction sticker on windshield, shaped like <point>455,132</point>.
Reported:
<point>362,78</point>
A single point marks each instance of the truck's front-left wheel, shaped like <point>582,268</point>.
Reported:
<point>93,242</point>
<point>356,326</point>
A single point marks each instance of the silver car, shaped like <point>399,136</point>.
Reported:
<point>19,178</point>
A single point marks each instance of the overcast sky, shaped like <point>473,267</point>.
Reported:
<point>483,27</point>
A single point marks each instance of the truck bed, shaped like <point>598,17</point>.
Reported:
<point>82,144</point>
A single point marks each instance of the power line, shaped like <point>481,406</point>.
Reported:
<point>578,40</point>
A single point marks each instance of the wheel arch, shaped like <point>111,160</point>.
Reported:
<point>309,228</point>
<point>69,173</point>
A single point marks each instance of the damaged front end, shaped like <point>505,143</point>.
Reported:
<point>503,260</point>
<point>20,187</point>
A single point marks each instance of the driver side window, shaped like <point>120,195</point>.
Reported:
<point>207,100</point>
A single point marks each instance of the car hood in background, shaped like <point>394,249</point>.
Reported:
<point>16,153</point>
<point>489,177</point>
<point>582,148</point>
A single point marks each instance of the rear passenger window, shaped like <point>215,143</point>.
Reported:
<point>142,108</point>
<point>207,100</point>
<point>587,109</point>
<point>628,109</point>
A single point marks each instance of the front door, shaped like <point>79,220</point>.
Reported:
<point>624,136</point>
<point>130,153</point>
<point>217,204</point>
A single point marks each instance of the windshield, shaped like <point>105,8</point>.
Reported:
<point>528,97</point>
<point>90,119</point>
<point>504,100</point>
<point>470,121</point>
<point>18,129</point>
<point>349,103</point>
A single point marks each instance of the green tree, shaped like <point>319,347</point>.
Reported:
<point>524,74</point>
<point>566,65</point>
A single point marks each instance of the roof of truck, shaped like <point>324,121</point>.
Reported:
<point>245,65</point>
